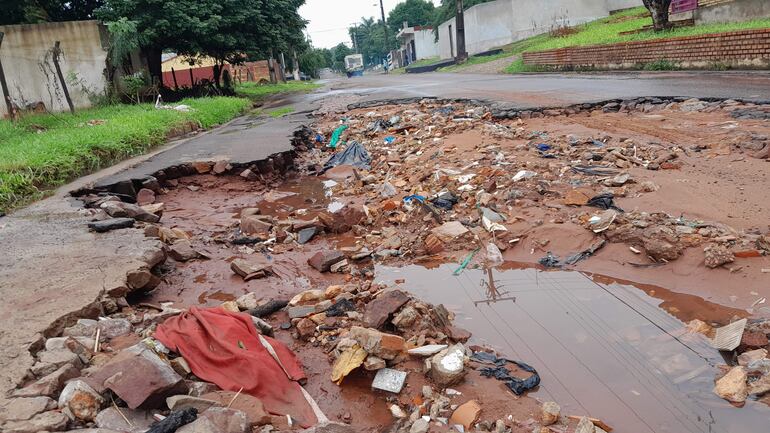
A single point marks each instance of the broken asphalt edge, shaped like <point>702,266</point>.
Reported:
<point>511,110</point>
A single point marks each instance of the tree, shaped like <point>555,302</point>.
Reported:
<point>415,12</point>
<point>229,31</point>
<point>659,10</point>
<point>37,11</point>
<point>338,56</point>
<point>370,40</point>
<point>448,10</point>
<point>312,61</point>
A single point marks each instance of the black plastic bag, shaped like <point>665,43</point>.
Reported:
<point>604,201</point>
<point>445,200</point>
<point>499,372</point>
<point>550,261</point>
<point>354,154</point>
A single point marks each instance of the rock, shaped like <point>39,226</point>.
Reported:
<point>145,196</point>
<point>433,244</point>
<point>753,340</point>
<point>380,309</point>
<point>46,421</point>
<point>119,209</point>
<point>230,306</point>
<point>256,225</point>
<point>397,412</point>
<point>661,249</point>
<point>466,414</point>
<point>182,251</point>
<point>306,328</point>
<point>57,358</point>
<point>139,377</point>
<point>732,386</point>
<point>585,426</point>
<point>307,310</point>
<point>111,419</point>
<point>448,366</point>
<point>717,255</point>
<point>419,426</point>
<point>221,167</point>
<point>649,186</point>
<point>80,401</point>
<point>21,409</point>
<point>342,220</point>
<point>111,224</point>
<point>180,366</point>
<point>339,267</point>
<point>223,420</point>
<point>380,344</point>
<point>255,411</point>
<point>458,334</point>
<point>308,297</point>
<point>449,231</point>
<point>405,318</point>
<point>252,268</point>
<point>428,350</point>
<point>49,385</point>
<point>248,301</point>
<point>330,427</point>
<point>198,389</point>
<point>58,343</point>
<point>305,235</point>
<point>388,379</point>
<point>138,278</point>
<point>179,402</point>
<point>760,386</point>
<point>747,358</point>
<point>550,413</point>
<point>699,326</point>
<point>249,175</point>
<point>373,363</point>
<point>111,328</point>
<point>322,261</point>
<point>575,197</point>
<point>82,328</point>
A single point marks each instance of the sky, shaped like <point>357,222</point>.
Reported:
<point>330,19</point>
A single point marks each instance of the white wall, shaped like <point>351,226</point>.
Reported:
<point>497,23</point>
<point>425,44</point>
<point>29,69</point>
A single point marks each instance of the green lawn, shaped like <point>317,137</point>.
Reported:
<point>606,31</point>
<point>41,152</point>
<point>256,91</point>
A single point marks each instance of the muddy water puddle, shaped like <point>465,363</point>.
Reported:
<point>602,348</point>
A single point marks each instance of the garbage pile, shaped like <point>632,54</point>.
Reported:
<point>429,191</point>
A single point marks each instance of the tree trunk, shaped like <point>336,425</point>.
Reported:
<point>659,10</point>
<point>217,73</point>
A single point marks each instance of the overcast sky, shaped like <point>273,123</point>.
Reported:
<point>330,19</point>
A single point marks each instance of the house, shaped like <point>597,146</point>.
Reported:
<point>719,11</point>
<point>183,71</point>
<point>417,43</point>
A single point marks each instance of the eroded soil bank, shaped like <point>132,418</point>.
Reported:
<point>595,244</point>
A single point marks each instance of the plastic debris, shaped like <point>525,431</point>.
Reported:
<point>389,139</point>
<point>524,174</point>
<point>499,372</point>
<point>444,200</point>
<point>336,136</point>
<point>728,337</point>
<point>550,261</point>
<point>465,262</point>
<point>354,154</point>
<point>588,252</point>
<point>348,361</point>
<point>604,201</point>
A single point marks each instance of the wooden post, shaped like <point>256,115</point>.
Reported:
<point>173,75</point>
<point>4,85</point>
<point>192,79</point>
<point>56,53</point>
<point>462,55</point>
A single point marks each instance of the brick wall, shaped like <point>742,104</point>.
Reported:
<point>746,48</point>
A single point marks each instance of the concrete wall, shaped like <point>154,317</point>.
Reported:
<point>425,44</point>
<point>29,69</point>
<point>737,10</point>
<point>497,23</point>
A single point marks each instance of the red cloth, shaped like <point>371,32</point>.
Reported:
<point>208,339</point>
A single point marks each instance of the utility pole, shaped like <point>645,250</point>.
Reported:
<point>460,25</point>
<point>55,55</point>
<point>385,31</point>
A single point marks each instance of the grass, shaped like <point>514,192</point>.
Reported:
<point>279,112</point>
<point>605,31</point>
<point>41,152</point>
<point>257,92</point>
